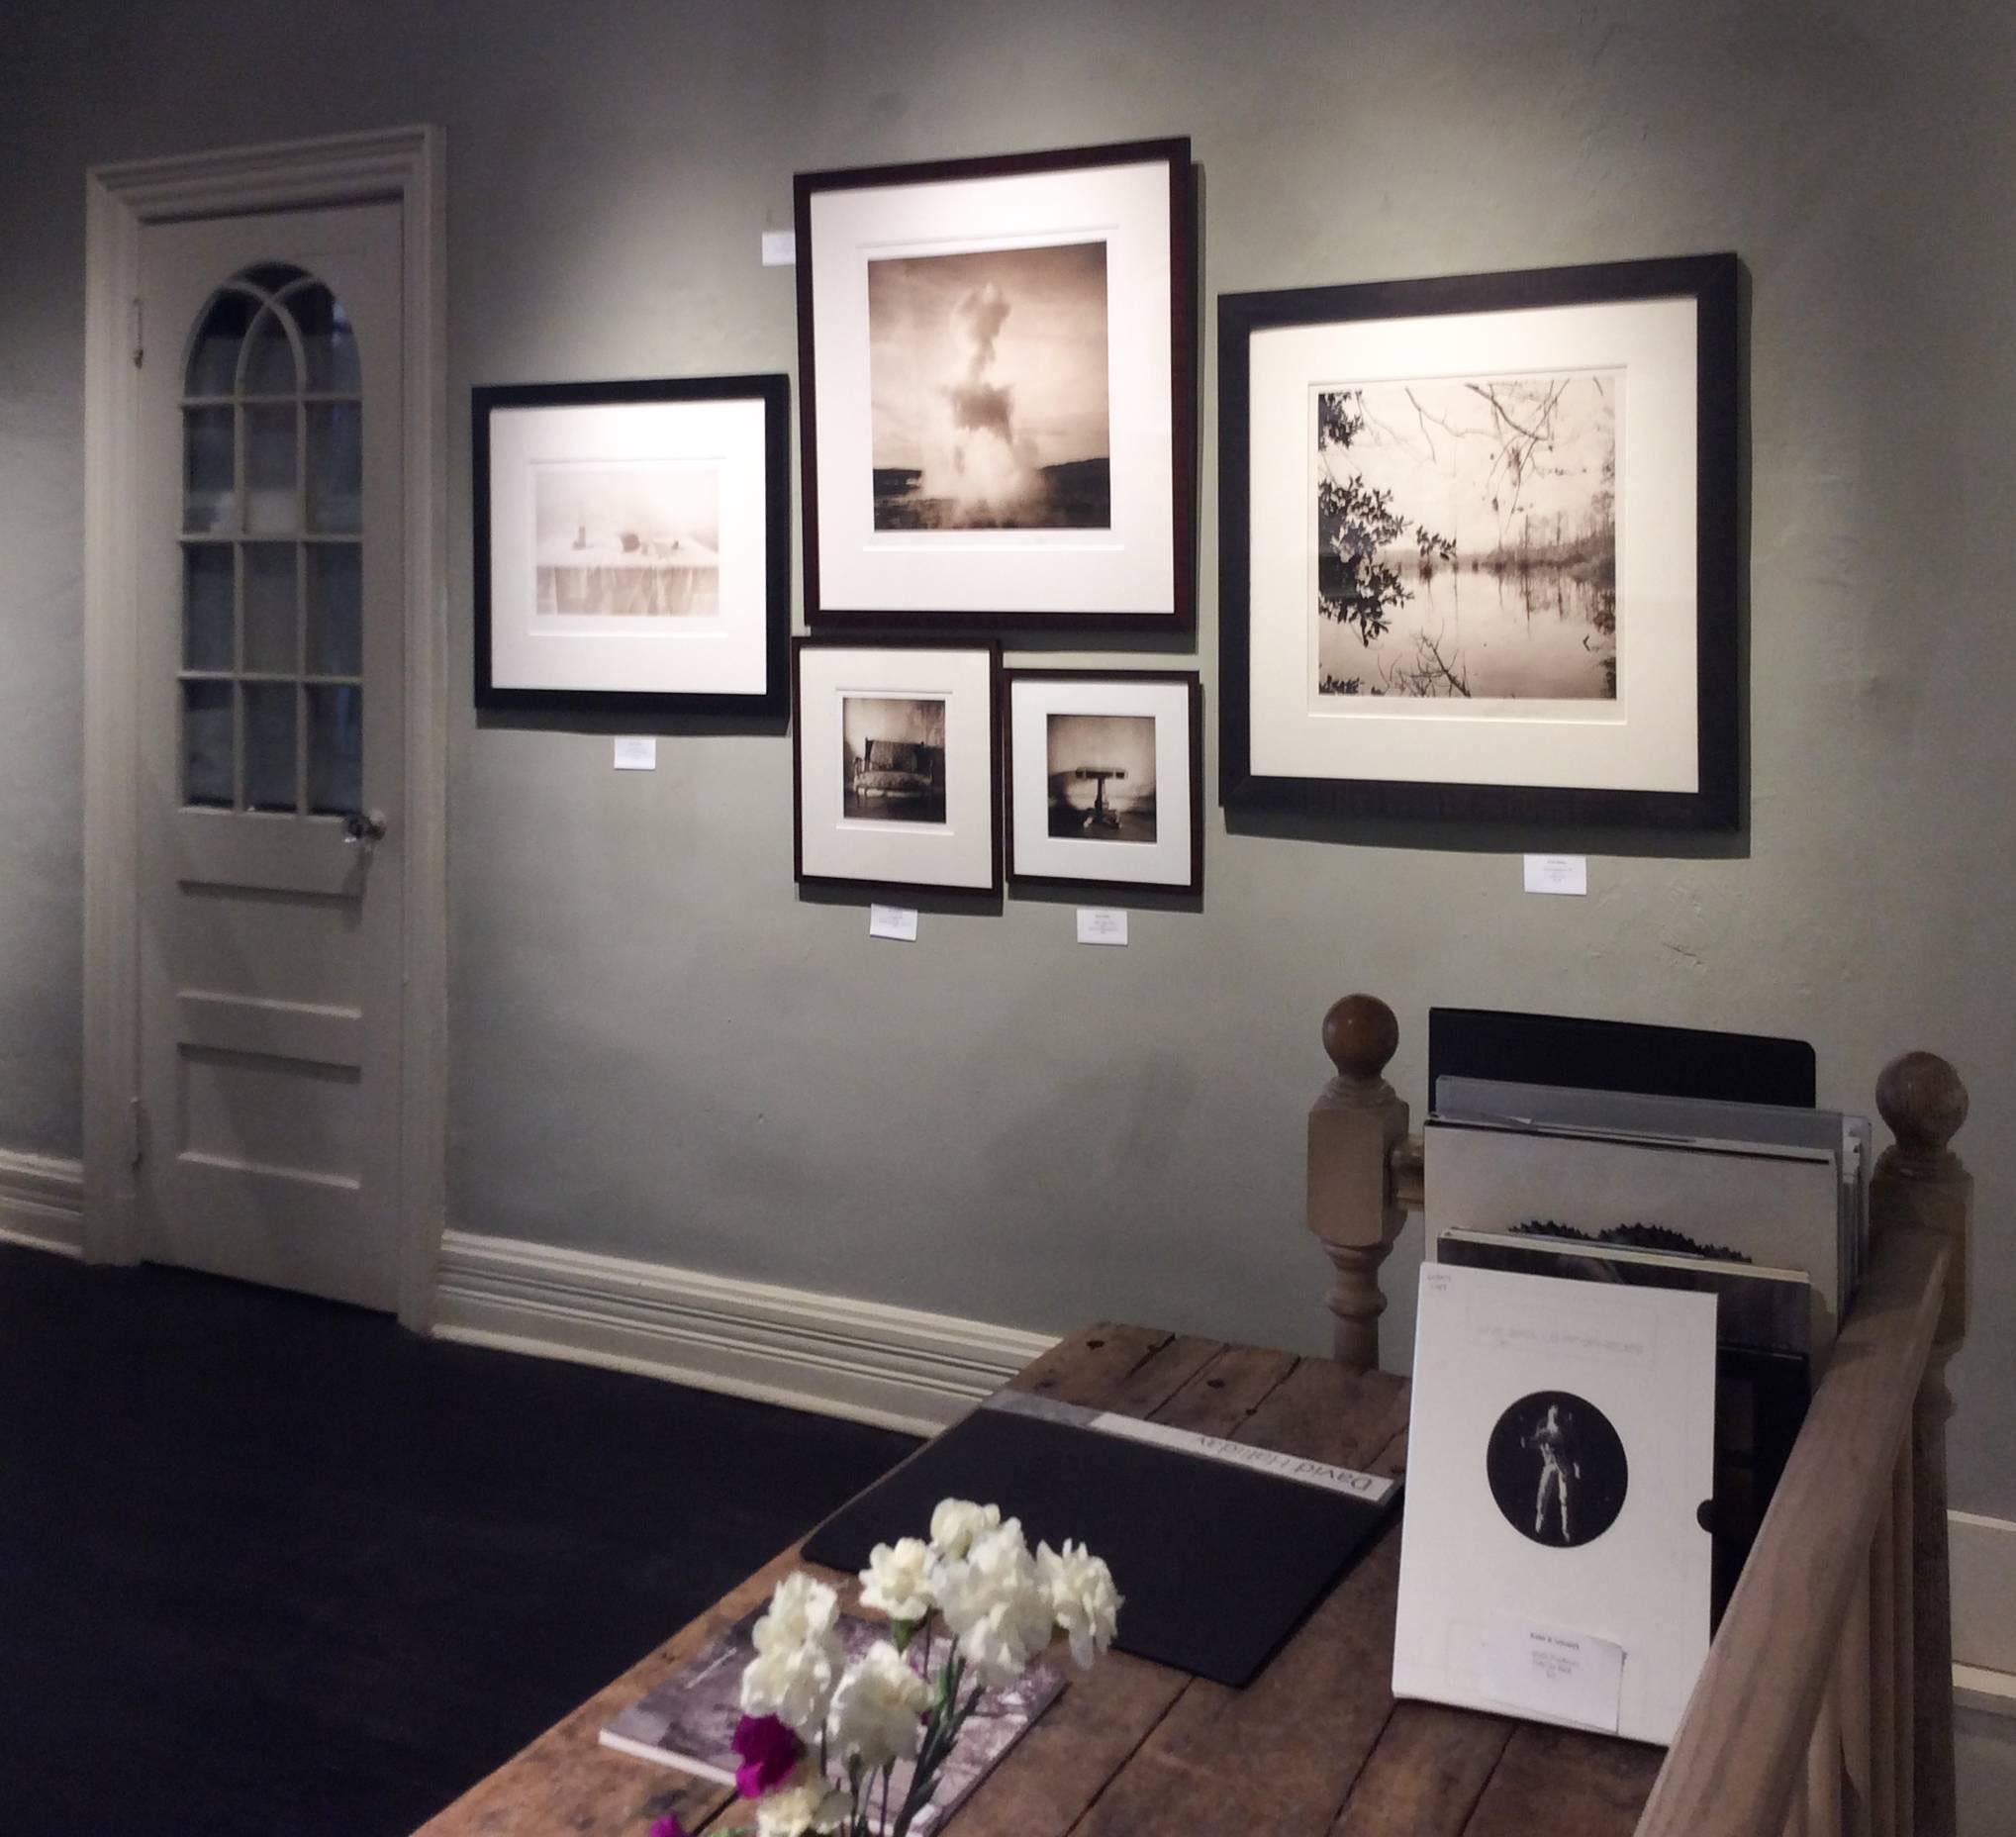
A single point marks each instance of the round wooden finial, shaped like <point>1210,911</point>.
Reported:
<point>1924,1102</point>
<point>1360,1034</point>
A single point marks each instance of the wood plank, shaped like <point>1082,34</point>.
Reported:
<point>1566,1783</point>
<point>1092,1364</point>
<point>1426,1774</point>
<point>1299,1732</point>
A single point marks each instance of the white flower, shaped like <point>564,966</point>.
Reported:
<point>996,1604</point>
<point>1082,1597</point>
<point>811,1805</point>
<point>897,1580</point>
<point>957,1522</point>
<point>798,1656</point>
<point>878,1709</point>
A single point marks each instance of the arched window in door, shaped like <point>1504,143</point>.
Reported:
<point>272,664</point>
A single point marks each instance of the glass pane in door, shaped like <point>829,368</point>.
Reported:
<point>208,626</point>
<point>336,749</point>
<point>272,601</point>
<point>271,777</point>
<point>209,473</point>
<point>208,747</point>
<point>272,504</point>
<point>336,468</point>
<point>335,611</point>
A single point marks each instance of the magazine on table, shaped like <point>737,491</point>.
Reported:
<point>689,1720</point>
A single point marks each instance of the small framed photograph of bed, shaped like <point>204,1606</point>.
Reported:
<point>895,754</point>
<point>633,546</point>
<point>1106,778</point>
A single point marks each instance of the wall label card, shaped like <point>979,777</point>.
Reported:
<point>1102,925</point>
<point>637,752</point>
<point>1543,1671</point>
<point>780,249</point>
<point>896,922</point>
<point>1557,874</point>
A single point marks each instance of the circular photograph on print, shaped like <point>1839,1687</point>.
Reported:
<point>1557,1469</point>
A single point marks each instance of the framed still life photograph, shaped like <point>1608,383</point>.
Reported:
<point>633,546</point>
<point>896,756</point>
<point>997,359</point>
<point>1105,777</point>
<point>1478,550</point>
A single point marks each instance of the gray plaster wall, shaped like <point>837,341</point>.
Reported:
<point>659,1050</point>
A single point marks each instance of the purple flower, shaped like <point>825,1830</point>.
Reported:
<point>770,1752</point>
<point>668,1826</point>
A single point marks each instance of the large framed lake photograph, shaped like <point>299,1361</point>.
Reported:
<point>633,546</point>
<point>997,365</point>
<point>1478,546</point>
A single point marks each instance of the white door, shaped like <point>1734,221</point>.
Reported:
<point>268,504</point>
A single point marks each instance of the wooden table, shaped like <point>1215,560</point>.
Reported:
<point>1316,1744</point>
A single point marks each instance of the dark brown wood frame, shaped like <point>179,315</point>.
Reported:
<point>1196,737</point>
<point>1711,282</point>
<point>1183,320</point>
<point>774,392</point>
<point>799,646</point>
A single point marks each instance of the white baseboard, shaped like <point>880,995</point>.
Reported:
<point>1982,1554</point>
<point>42,1203</point>
<point>893,1366</point>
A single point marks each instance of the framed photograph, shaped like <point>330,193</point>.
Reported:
<point>997,366</point>
<point>1479,546</point>
<point>1105,777</point>
<point>633,546</point>
<point>896,750</point>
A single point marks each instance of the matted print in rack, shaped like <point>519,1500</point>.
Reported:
<point>997,359</point>
<point>633,546</point>
<point>1104,777</point>
<point>895,763</point>
<point>1479,546</point>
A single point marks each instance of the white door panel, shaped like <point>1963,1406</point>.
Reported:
<point>269,522</point>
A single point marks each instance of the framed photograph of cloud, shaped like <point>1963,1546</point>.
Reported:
<point>1105,777</point>
<point>897,760</point>
<point>633,546</point>
<point>997,359</point>
<point>1479,546</point>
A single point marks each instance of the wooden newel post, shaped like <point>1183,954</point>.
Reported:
<point>1354,1128</point>
<point>1919,1185</point>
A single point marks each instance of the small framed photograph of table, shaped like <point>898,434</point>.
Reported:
<point>896,753</point>
<point>998,363</point>
<point>1105,777</point>
<point>633,546</point>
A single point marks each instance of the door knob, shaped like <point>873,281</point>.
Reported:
<point>365,827</point>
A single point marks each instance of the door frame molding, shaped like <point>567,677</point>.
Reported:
<point>406,164</point>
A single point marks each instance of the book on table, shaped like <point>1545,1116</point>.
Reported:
<point>1553,1558</point>
<point>688,1721</point>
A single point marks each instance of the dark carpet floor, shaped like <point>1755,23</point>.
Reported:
<point>273,1566</point>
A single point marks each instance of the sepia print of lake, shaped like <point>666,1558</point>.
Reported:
<point>1532,635</point>
<point>1466,533</point>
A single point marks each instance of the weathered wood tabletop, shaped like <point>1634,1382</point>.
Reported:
<point>1316,1744</point>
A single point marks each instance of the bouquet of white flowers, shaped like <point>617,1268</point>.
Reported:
<point>969,1609</point>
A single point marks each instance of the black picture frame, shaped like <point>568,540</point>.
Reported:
<point>1711,283</point>
<point>771,700</point>
<point>1191,682</point>
<point>871,883</point>
<point>980,619</point>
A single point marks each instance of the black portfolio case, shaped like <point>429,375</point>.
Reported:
<point>1217,1563</point>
